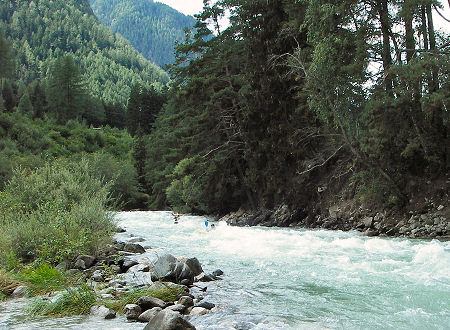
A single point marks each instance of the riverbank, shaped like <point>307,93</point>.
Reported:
<point>127,280</point>
<point>430,221</point>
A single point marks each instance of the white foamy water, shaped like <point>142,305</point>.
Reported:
<point>298,279</point>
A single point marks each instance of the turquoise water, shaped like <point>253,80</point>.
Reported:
<point>298,279</point>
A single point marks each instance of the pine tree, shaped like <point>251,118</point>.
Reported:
<point>8,95</point>
<point>38,99</point>
<point>133,115</point>
<point>6,63</point>
<point>25,105</point>
<point>2,104</point>
<point>66,93</point>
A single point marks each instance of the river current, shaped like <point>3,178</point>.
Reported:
<point>292,278</point>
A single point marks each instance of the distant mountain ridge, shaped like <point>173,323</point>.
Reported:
<point>42,31</point>
<point>152,28</point>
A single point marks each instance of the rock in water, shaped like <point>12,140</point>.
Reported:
<point>177,308</point>
<point>168,320</point>
<point>217,272</point>
<point>194,265</point>
<point>205,304</point>
<point>103,312</point>
<point>97,276</point>
<point>132,311</point>
<point>198,311</point>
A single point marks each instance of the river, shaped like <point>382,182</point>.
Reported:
<point>292,278</point>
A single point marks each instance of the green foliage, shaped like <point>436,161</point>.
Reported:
<point>42,31</point>
<point>73,301</point>
<point>6,64</point>
<point>151,27</point>
<point>55,213</point>
<point>42,279</point>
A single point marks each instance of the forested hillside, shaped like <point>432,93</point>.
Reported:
<point>42,31</point>
<point>299,102</point>
<point>152,28</point>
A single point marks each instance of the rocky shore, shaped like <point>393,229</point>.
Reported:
<point>126,267</point>
<point>431,221</point>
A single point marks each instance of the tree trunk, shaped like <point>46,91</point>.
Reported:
<point>383,12</point>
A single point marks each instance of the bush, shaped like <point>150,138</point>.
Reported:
<point>54,213</point>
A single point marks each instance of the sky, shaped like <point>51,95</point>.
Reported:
<point>191,7</point>
<point>188,7</point>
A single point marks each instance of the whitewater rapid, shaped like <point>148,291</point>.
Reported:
<point>300,279</point>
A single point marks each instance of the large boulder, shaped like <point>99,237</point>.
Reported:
<point>168,320</point>
<point>127,264</point>
<point>150,302</point>
<point>198,311</point>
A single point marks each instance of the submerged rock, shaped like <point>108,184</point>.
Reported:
<point>205,304</point>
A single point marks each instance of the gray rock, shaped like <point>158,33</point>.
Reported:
<point>179,308</point>
<point>128,263</point>
<point>133,248</point>
<point>103,312</point>
<point>168,320</point>
<point>19,292</point>
<point>367,221</point>
<point>84,262</point>
<point>205,304</point>
<point>217,272</point>
<point>97,276</point>
<point>136,240</point>
<point>149,314</point>
<point>150,302</point>
<point>186,301</point>
<point>371,233</point>
<point>194,265</point>
<point>132,311</point>
<point>198,311</point>
<point>139,268</point>
<point>440,207</point>
<point>164,265</point>
<point>120,230</point>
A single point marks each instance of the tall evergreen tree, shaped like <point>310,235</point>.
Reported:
<point>25,105</point>
<point>65,89</point>
<point>6,62</point>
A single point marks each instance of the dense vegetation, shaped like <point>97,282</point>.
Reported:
<point>43,31</point>
<point>152,28</point>
<point>299,97</point>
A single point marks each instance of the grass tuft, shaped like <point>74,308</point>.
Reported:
<point>131,297</point>
<point>75,301</point>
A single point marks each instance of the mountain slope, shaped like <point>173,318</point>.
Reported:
<point>44,30</point>
<point>152,28</point>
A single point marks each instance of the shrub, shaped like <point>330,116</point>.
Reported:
<point>54,213</point>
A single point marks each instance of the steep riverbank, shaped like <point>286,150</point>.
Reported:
<point>430,220</point>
